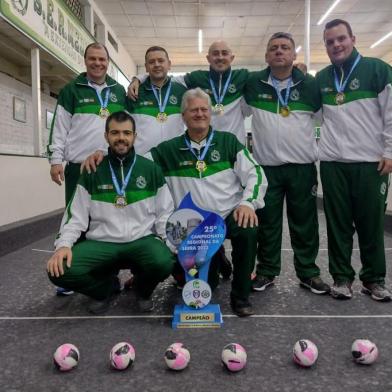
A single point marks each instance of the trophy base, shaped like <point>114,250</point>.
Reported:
<point>208,317</point>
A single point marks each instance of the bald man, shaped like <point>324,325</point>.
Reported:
<point>223,84</point>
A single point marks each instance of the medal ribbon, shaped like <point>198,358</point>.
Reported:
<point>199,157</point>
<point>283,103</point>
<point>121,191</point>
<point>340,86</point>
<point>219,97</point>
<point>104,104</point>
<point>161,106</point>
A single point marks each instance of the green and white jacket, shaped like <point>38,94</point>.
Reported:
<point>149,203</point>
<point>360,129</point>
<point>151,132</point>
<point>232,176</point>
<point>77,129</point>
<point>279,140</point>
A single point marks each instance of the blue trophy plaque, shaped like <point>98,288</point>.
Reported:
<point>197,234</point>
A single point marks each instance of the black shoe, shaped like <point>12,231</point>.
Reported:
<point>145,304</point>
<point>99,307</point>
<point>260,283</point>
<point>242,308</point>
<point>316,285</point>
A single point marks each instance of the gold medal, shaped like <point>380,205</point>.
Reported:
<point>104,113</point>
<point>219,109</point>
<point>120,201</point>
<point>161,117</point>
<point>284,111</point>
<point>339,98</point>
<point>201,166</point>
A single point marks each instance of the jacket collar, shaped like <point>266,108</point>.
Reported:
<point>296,75</point>
<point>126,161</point>
<point>215,76</point>
<point>186,136</point>
<point>148,83</point>
<point>348,63</point>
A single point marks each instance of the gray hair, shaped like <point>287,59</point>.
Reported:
<point>194,93</point>
<point>281,34</point>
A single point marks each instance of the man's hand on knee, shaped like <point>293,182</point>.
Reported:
<point>55,265</point>
<point>245,216</point>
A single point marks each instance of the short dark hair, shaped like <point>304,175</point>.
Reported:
<point>95,45</point>
<point>120,117</point>
<point>155,49</point>
<point>336,22</point>
<point>281,34</point>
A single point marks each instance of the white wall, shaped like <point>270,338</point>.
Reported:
<point>17,137</point>
<point>26,189</point>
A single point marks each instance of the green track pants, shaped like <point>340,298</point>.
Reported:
<point>297,183</point>
<point>96,263</point>
<point>354,196</point>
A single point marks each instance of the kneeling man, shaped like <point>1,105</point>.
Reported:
<point>124,207</point>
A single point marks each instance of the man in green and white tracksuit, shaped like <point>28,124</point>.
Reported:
<point>79,120</point>
<point>124,207</point>
<point>224,85</point>
<point>157,110</point>
<point>283,102</point>
<point>229,182</point>
<point>356,159</point>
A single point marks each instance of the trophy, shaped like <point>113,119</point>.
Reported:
<point>197,235</point>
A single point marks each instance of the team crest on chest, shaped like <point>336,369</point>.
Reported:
<point>141,182</point>
<point>232,88</point>
<point>215,156</point>
<point>113,97</point>
<point>354,84</point>
<point>173,100</point>
<point>294,95</point>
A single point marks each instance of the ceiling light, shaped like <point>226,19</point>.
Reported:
<point>298,49</point>
<point>200,40</point>
<point>330,9</point>
<point>381,39</point>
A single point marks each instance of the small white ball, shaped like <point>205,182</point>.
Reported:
<point>364,351</point>
<point>122,356</point>
<point>234,357</point>
<point>177,356</point>
<point>305,353</point>
<point>66,357</point>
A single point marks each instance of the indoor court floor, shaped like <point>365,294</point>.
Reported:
<point>33,322</point>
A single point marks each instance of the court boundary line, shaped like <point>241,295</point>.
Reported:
<point>167,316</point>
<point>228,249</point>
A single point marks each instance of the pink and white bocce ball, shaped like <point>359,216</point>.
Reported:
<point>234,357</point>
<point>122,356</point>
<point>364,351</point>
<point>177,356</point>
<point>305,353</point>
<point>66,357</point>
